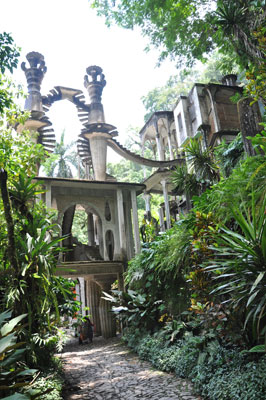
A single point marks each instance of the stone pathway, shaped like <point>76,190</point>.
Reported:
<point>107,370</point>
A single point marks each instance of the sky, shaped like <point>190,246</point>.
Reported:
<point>72,37</point>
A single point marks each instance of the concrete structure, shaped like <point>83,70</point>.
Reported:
<point>110,206</point>
<point>208,113</point>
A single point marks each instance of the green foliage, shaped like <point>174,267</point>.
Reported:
<point>203,170</point>
<point>17,151</point>
<point>8,61</point>
<point>64,291</point>
<point>259,141</point>
<point>60,162</point>
<point>14,374</point>
<point>189,30</point>
<point>178,26</point>
<point>201,161</point>
<point>249,175</point>
<point>36,250</point>
<point>138,310</point>
<point>185,182</point>
<point>229,155</point>
<point>80,226</point>
<point>216,370</point>
<point>8,53</point>
<point>161,265</point>
<point>203,234</point>
<point>126,171</point>
<point>51,383</point>
<point>239,263</point>
<point>256,75</point>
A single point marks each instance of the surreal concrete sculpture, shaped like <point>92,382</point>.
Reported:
<point>111,206</point>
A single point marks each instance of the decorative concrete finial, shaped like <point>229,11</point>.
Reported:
<point>94,82</point>
<point>34,76</point>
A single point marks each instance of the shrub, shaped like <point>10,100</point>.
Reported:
<point>245,383</point>
<point>217,371</point>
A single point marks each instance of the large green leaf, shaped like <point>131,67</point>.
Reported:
<point>17,396</point>
<point>4,316</point>
<point>7,342</point>
<point>9,326</point>
<point>13,358</point>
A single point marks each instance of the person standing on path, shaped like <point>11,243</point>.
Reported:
<point>86,330</point>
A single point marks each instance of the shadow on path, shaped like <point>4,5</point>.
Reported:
<point>108,370</point>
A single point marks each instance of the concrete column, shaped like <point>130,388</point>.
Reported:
<point>120,282</point>
<point>147,198</point>
<point>93,301</point>
<point>143,166</point>
<point>159,148</point>
<point>82,295</point>
<point>48,195</point>
<point>216,120</point>
<point>105,250</point>
<point>129,228</point>
<point>91,239</point>
<point>169,140</point>
<point>99,228</point>
<point>176,144</point>
<point>98,146</point>
<point>166,204</point>
<point>121,223</point>
<point>107,319</point>
<point>159,143</point>
<point>108,327</point>
<point>161,218</point>
<point>135,221</point>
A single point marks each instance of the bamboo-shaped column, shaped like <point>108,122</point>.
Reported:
<point>93,301</point>
<point>121,223</point>
<point>135,221</point>
<point>166,203</point>
<point>108,326</point>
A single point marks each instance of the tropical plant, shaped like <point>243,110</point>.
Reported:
<point>238,266</point>
<point>259,140</point>
<point>203,234</point>
<point>185,182</point>
<point>29,273</point>
<point>249,174</point>
<point>202,162</point>
<point>60,162</point>
<point>14,374</point>
<point>229,155</point>
<point>198,174</point>
<point>138,310</point>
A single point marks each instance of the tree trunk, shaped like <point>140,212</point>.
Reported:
<point>11,249</point>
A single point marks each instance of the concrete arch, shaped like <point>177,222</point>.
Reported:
<point>88,207</point>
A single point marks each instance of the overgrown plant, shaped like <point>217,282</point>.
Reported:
<point>14,374</point>
<point>137,310</point>
<point>238,266</point>
<point>30,243</point>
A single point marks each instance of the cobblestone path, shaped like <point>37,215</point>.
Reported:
<point>107,370</point>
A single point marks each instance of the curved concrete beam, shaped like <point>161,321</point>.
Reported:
<point>123,152</point>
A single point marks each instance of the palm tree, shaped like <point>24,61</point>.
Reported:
<point>60,163</point>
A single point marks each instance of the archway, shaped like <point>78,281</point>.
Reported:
<point>83,228</point>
